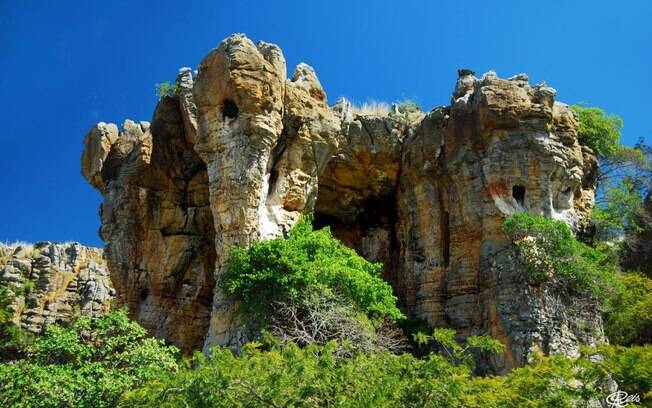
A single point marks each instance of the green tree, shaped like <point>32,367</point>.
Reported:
<point>629,319</point>
<point>12,339</point>
<point>550,251</point>
<point>310,288</point>
<point>597,130</point>
<point>90,364</point>
<point>283,269</point>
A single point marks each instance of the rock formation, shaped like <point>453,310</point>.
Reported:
<point>54,283</point>
<point>240,152</point>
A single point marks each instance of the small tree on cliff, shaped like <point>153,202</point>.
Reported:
<point>310,288</point>
<point>625,171</point>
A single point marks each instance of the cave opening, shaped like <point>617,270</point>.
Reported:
<point>368,227</point>
<point>230,109</point>
<point>518,192</point>
<point>144,294</point>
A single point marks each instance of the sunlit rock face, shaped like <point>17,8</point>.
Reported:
<point>501,147</point>
<point>240,152</point>
<point>157,224</point>
<point>54,283</point>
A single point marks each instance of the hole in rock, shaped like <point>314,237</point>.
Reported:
<point>273,176</point>
<point>143,294</point>
<point>518,192</point>
<point>367,226</point>
<point>230,109</point>
<point>445,238</point>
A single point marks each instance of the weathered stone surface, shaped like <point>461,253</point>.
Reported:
<point>54,283</point>
<point>241,152</point>
<point>357,191</point>
<point>501,147</point>
<point>158,228</point>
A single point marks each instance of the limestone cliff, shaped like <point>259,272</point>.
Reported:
<point>54,283</point>
<point>240,152</point>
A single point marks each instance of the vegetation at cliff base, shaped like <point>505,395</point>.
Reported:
<point>285,268</point>
<point>327,289</point>
<point>90,364</point>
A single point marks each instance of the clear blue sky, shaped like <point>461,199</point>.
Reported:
<point>68,64</point>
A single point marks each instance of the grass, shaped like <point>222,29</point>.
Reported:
<point>407,112</point>
<point>372,108</point>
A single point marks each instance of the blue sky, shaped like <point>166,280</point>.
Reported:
<point>69,64</point>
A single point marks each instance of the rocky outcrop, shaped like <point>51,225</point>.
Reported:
<point>240,152</point>
<point>157,223</point>
<point>53,283</point>
<point>501,147</point>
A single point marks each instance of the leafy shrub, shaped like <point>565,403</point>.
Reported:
<point>310,288</point>
<point>12,339</point>
<point>90,364</point>
<point>630,367</point>
<point>456,353</point>
<point>549,250</point>
<point>313,377</point>
<point>283,269</point>
<point>166,88</point>
<point>597,130</point>
<point>629,320</point>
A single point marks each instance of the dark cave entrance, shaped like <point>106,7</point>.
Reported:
<point>369,228</point>
<point>230,109</point>
<point>518,192</point>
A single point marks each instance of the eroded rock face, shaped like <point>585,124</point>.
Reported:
<point>501,147</point>
<point>157,225</point>
<point>54,283</point>
<point>241,152</point>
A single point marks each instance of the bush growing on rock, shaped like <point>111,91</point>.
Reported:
<point>550,251</point>
<point>166,88</point>
<point>310,280</point>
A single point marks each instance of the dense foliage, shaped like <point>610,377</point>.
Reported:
<point>629,320</point>
<point>549,250</point>
<point>314,377</point>
<point>599,131</point>
<point>282,269</point>
<point>625,172</point>
<point>90,364</point>
<point>12,339</point>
